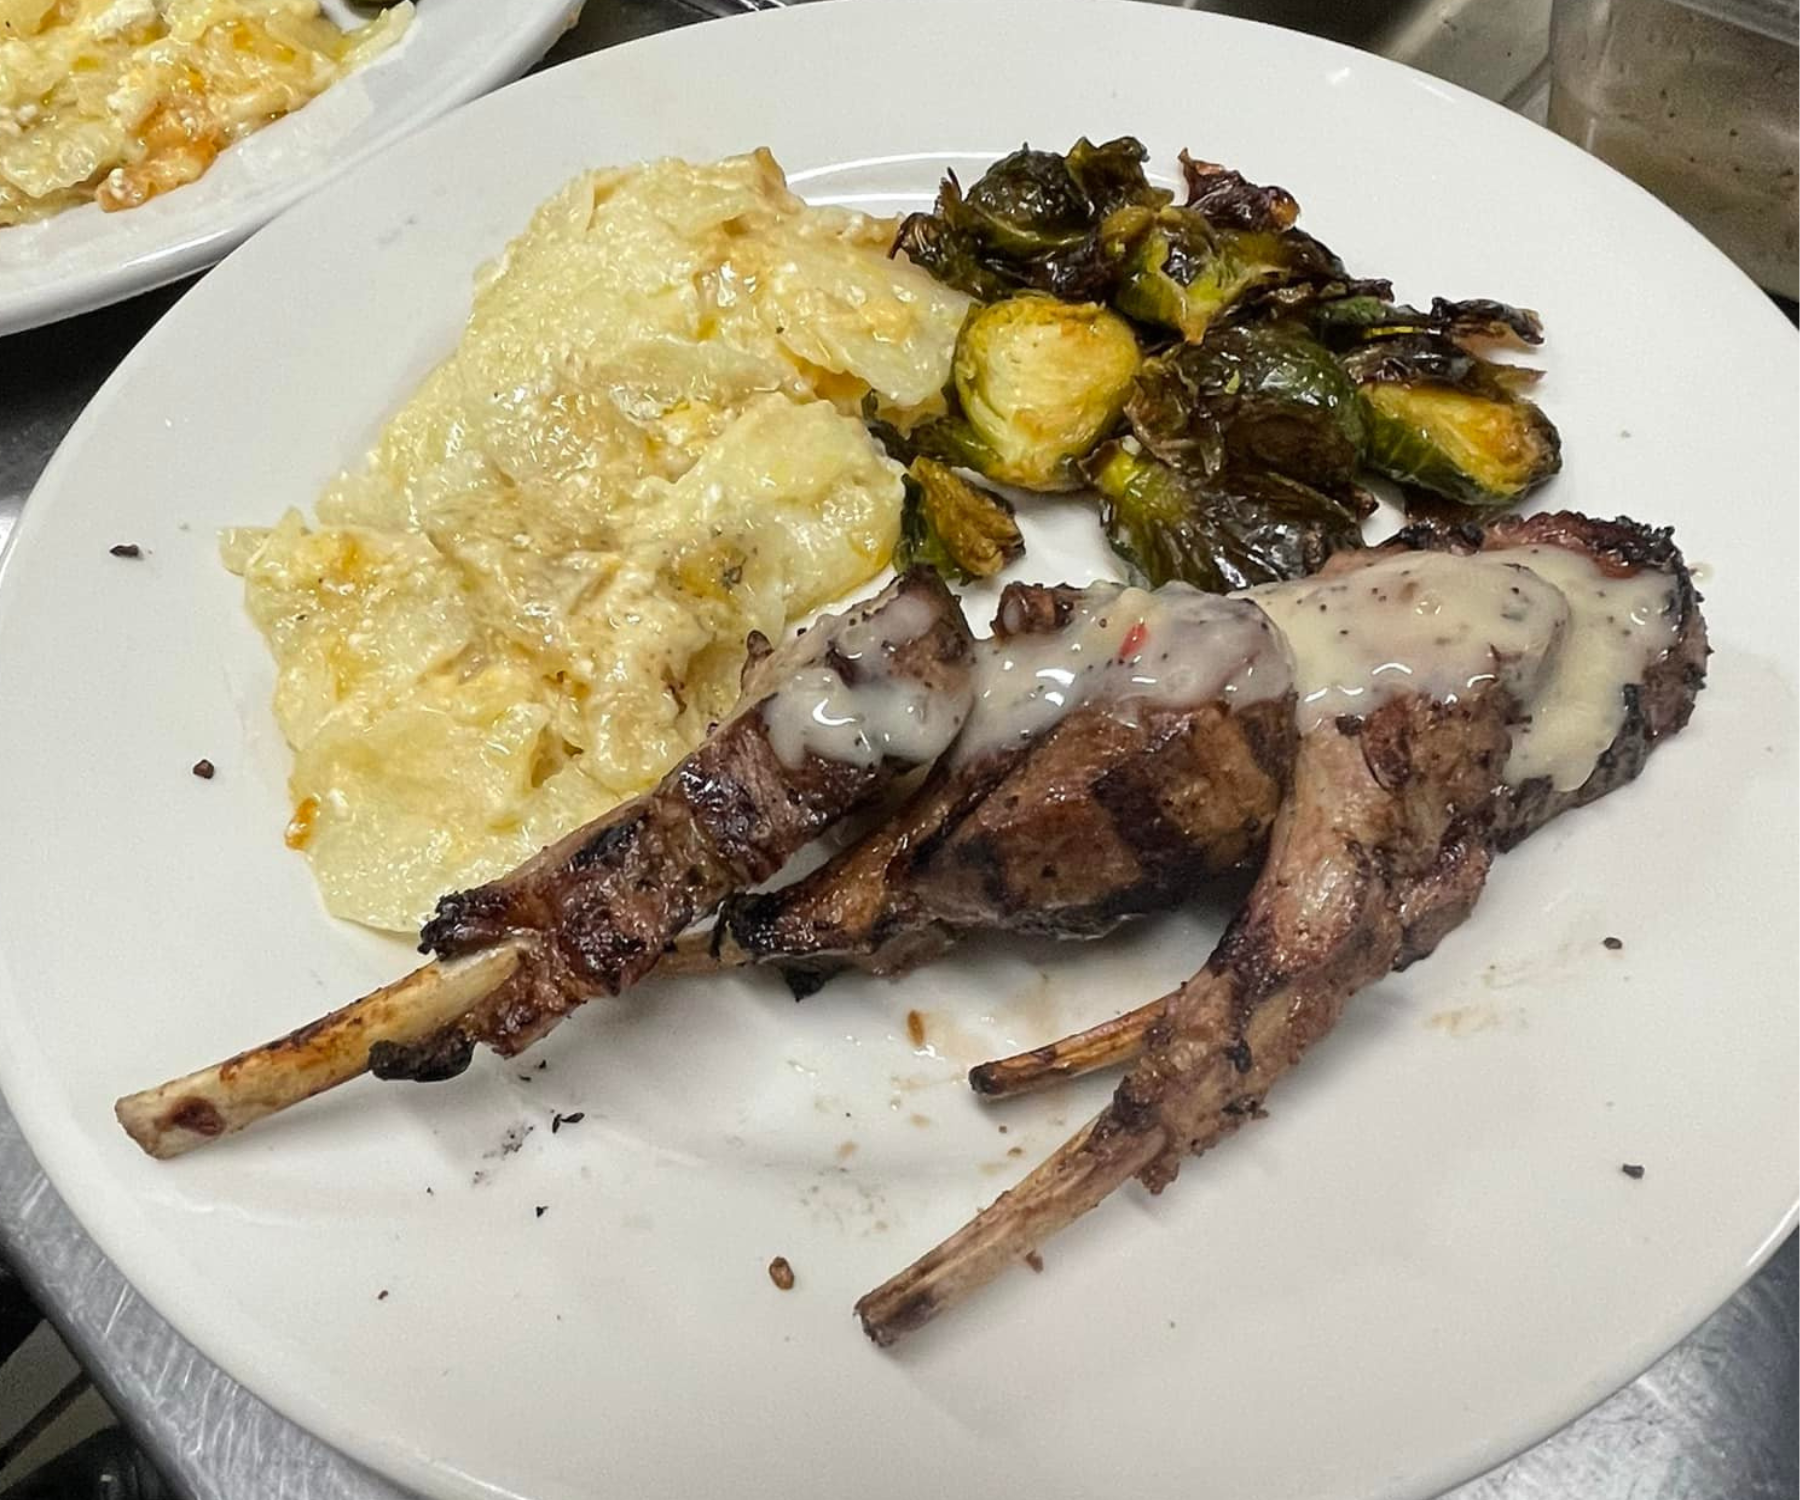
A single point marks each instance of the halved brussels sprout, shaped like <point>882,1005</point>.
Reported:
<point>1032,222</point>
<point>1449,422</point>
<point>1039,382</point>
<point>1263,396</point>
<point>1240,528</point>
<point>949,524</point>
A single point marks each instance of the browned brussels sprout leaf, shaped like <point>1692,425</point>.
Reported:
<point>1445,420</point>
<point>949,524</point>
<point>1235,530</point>
<point>1482,320</point>
<point>1112,176</point>
<point>1261,396</point>
<point>1032,222</point>
<point>1224,198</point>
<point>1362,317</point>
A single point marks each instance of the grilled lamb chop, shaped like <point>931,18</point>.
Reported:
<point>1381,848</point>
<point>1114,809</point>
<point>824,723</point>
<point>1655,706</point>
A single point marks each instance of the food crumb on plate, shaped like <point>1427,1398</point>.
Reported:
<point>915,1028</point>
<point>1612,944</point>
<point>126,549</point>
<point>781,1273</point>
<point>204,769</point>
<point>1632,1170</point>
<point>540,1210</point>
<point>381,1296</point>
<point>1034,1260</point>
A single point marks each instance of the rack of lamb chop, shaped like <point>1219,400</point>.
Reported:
<point>1458,686</point>
<point>825,722</point>
<point>1384,728</point>
<point>1159,728</point>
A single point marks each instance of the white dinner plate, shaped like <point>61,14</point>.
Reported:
<point>453,51</point>
<point>1427,1258</point>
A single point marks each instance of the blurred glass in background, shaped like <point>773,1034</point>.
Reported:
<point>1697,101</point>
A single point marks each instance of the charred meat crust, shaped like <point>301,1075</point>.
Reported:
<point>1103,820</point>
<point>598,909</point>
<point>1095,823</point>
<point>1656,707</point>
<point>1389,814</point>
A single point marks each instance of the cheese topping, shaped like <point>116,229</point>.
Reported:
<point>115,101</point>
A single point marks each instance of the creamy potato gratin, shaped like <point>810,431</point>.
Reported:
<point>116,101</point>
<point>533,595</point>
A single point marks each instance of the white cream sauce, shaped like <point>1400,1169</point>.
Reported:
<point>1621,626</point>
<point>1125,649</point>
<point>1545,622</point>
<point>882,714</point>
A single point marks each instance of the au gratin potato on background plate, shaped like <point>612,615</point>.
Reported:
<point>141,139</point>
<point>115,101</point>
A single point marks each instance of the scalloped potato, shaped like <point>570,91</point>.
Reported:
<point>115,101</point>
<point>533,596</point>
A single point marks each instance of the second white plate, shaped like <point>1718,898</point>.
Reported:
<point>453,51</point>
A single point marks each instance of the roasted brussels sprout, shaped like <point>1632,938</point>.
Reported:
<point>1182,272</point>
<point>1038,383</point>
<point>1264,397</point>
<point>1239,528</point>
<point>1033,222</point>
<point>949,524</point>
<point>1449,422</point>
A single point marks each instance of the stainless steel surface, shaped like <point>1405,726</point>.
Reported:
<point>1713,1420</point>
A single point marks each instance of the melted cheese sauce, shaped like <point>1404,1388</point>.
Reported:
<point>1546,623</point>
<point>872,713</point>
<point>1126,649</point>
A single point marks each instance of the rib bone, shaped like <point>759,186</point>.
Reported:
<point>187,1112</point>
